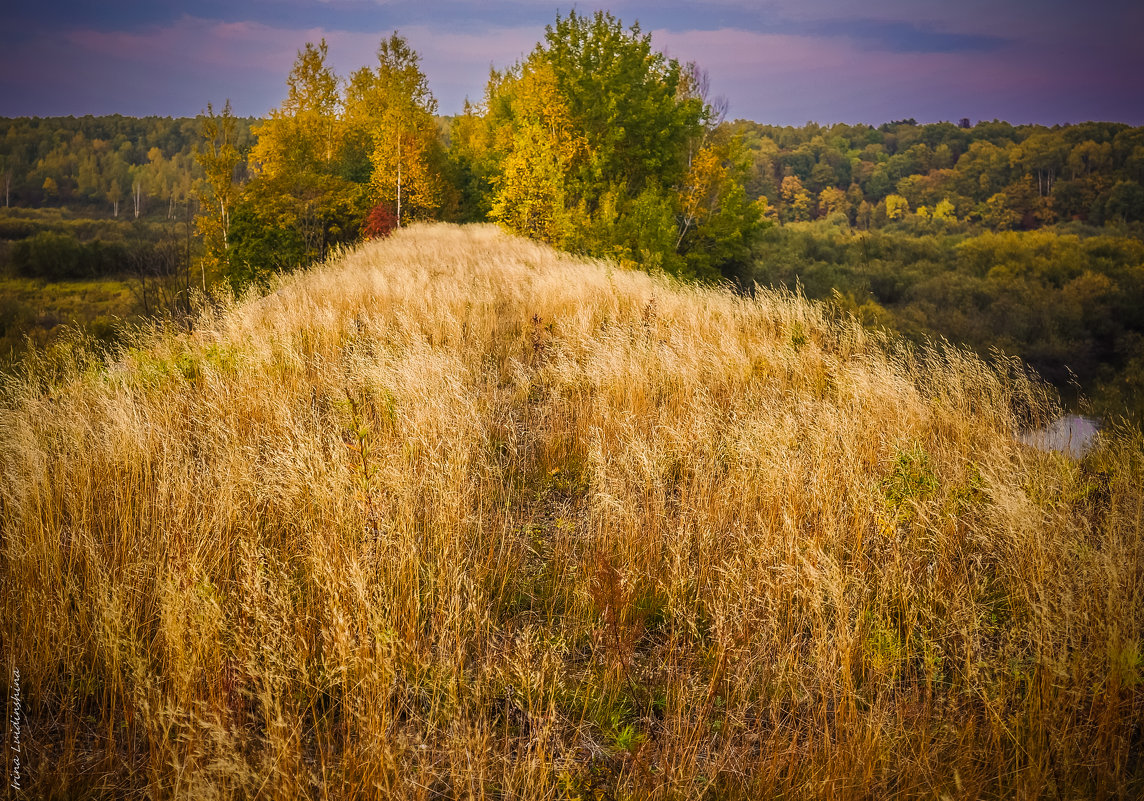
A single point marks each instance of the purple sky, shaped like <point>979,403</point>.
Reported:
<point>781,62</point>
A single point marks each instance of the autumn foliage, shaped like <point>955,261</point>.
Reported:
<point>600,144</point>
<point>379,223</point>
<point>595,143</point>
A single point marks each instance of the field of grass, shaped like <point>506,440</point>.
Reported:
<point>39,311</point>
<point>457,516</point>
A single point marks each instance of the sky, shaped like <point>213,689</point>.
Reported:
<point>782,62</point>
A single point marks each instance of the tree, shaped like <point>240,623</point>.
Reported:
<point>405,155</point>
<point>308,189</point>
<point>1041,154</point>
<point>637,110</point>
<point>996,213</point>
<point>715,219</point>
<point>833,200</point>
<point>982,170</point>
<point>796,200</point>
<point>6,173</point>
<point>530,195</point>
<point>218,157</point>
<point>1088,157</point>
<point>822,175</point>
<point>601,144</point>
<point>854,199</point>
<point>114,195</point>
<point>1125,202</point>
<point>944,211</point>
<point>303,132</point>
<point>137,190</point>
<point>718,222</point>
<point>473,163</point>
<point>897,207</point>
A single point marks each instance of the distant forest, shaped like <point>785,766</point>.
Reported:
<point>1025,239</point>
<point>992,174</point>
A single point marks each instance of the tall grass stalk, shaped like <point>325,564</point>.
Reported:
<point>457,516</point>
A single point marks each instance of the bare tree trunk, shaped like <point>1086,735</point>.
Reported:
<point>399,181</point>
<point>202,263</point>
<point>187,259</point>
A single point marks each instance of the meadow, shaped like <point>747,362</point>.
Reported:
<point>455,515</point>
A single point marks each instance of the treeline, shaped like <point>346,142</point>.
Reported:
<point>992,174</point>
<point>594,142</point>
<point>131,165</point>
<point>1069,304</point>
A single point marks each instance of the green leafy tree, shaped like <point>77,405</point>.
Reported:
<point>599,143</point>
<point>1042,155</point>
<point>1089,157</point>
<point>717,220</point>
<point>635,107</point>
<point>302,198</point>
<point>1125,202</point>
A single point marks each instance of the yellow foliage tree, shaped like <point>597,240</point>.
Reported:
<point>304,181</point>
<point>796,199</point>
<point>706,179</point>
<point>529,194</point>
<point>218,158</point>
<point>715,217</point>
<point>405,156</point>
<point>897,207</point>
<point>944,211</point>
<point>831,200</point>
<point>543,144</point>
<point>302,134</point>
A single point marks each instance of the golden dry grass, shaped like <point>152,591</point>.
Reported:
<point>460,517</point>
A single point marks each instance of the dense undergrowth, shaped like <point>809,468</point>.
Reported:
<point>457,516</point>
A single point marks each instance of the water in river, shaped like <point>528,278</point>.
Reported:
<point>1070,434</point>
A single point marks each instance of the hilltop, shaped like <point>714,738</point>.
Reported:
<point>457,515</point>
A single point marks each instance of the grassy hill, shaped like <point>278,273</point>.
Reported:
<point>458,516</point>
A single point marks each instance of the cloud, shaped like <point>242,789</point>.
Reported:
<point>221,46</point>
<point>1047,22</point>
<point>176,69</point>
<point>790,79</point>
<point>868,70</point>
<point>903,37</point>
